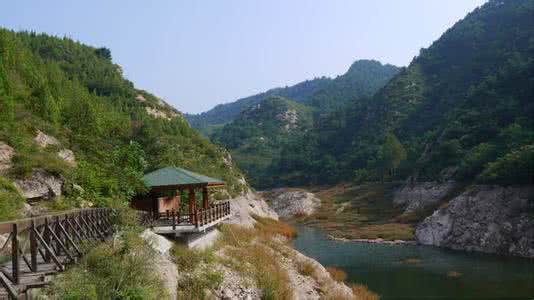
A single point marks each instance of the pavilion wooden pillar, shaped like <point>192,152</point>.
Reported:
<point>192,204</point>
<point>205,200</point>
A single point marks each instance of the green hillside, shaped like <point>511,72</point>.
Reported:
<point>225,113</point>
<point>363,79</point>
<point>256,136</point>
<point>77,94</point>
<point>462,110</point>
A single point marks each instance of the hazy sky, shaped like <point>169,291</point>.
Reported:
<point>196,54</point>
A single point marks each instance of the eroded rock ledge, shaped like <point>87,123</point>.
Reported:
<point>485,218</point>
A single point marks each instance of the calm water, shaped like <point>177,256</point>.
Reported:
<point>381,268</point>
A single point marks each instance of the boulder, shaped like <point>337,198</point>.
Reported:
<point>6,154</point>
<point>44,140</point>
<point>292,203</point>
<point>242,209</point>
<point>486,218</point>
<point>41,185</point>
<point>68,156</point>
<point>420,196</point>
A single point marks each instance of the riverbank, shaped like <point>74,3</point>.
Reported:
<point>372,241</point>
<point>410,271</point>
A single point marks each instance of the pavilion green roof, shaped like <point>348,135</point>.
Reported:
<point>173,176</point>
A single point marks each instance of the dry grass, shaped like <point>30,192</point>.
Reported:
<point>270,227</point>
<point>361,292</point>
<point>412,261</point>
<point>337,274</point>
<point>454,274</point>
<point>388,231</point>
<point>249,253</point>
<point>305,267</point>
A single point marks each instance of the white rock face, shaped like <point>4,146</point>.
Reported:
<point>156,113</point>
<point>44,140</point>
<point>42,185</point>
<point>140,98</point>
<point>68,156</point>
<point>491,219</point>
<point>291,203</point>
<point>419,196</point>
<point>166,267</point>
<point>243,207</point>
<point>6,154</point>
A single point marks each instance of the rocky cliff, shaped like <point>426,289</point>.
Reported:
<point>290,203</point>
<point>485,218</point>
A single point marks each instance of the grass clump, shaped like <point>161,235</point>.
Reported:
<point>114,270</point>
<point>250,251</point>
<point>361,292</point>
<point>270,227</point>
<point>123,268</point>
<point>337,274</point>
<point>305,267</point>
<point>10,200</point>
<point>193,286</point>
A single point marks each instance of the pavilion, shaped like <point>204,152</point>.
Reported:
<point>163,200</point>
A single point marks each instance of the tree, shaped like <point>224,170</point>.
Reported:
<point>391,154</point>
<point>103,53</point>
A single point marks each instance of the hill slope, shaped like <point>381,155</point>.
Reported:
<point>363,79</point>
<point>59,87</point>
<point>462,110</point>
<point>256,136</point>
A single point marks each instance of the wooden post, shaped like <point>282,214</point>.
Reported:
<point>47,239</point>
<point>192,205</point>
<point>173,220</point>
<point>33,247</point>
<point>205,200</point>
<point>15,254</point>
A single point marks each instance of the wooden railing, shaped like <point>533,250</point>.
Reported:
<point>212,214</point>
<point>174,218</point>
<point>44,245</point>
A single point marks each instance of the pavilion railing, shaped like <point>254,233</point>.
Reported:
<point>198,218</point>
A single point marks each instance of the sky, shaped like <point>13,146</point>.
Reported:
<point>196,54</point>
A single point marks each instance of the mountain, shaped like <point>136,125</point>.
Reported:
<point>68,112</point>
<point>462,110</point>
<point>224,113</point>
<point>257,134</point>
<point>363,79</point>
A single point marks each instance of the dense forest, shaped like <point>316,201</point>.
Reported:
<point>362,79</point>
<point>256,136</point>
<point>77,94</point>
<point>461,110</point>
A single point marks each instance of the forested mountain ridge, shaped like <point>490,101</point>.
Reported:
<point>76,94</point>
<point>462,110</point>
<point>362,79</point>
<point>258,133</point>
<point>224,113</point>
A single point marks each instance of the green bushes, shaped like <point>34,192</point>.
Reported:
<point>515,167</point>
<point>10,200</point>
<point>117,269</point>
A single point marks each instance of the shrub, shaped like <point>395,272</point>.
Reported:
<point>10,200</point>
<point>270,226</point>
<point>123,269</point>
<point>337,274</point>
<point>194,285</point>
<point>305,267</point>
<point>188,260</point>
<point>361,292</point>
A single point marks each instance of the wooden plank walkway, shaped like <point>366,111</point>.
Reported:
<point>42,246</point>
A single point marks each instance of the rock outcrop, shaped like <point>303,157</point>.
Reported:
<point>491,219</point>
<point>420,196</point>
<point>167,269</point>
<point>41,185</point>
<point>6,154</point>
<point>290,203</point>
<point>44,140</point>
<point>245,206</point>
<point>68,156</point>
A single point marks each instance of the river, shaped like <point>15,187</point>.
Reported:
<point>421,272</point>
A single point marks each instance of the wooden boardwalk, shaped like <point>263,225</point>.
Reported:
<point>42,246</point>
<point>38,248</point>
